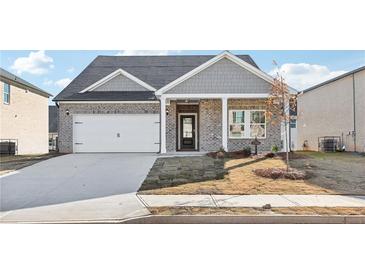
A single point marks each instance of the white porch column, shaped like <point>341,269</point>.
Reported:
<point>224,124</point>
<point>163,125</point>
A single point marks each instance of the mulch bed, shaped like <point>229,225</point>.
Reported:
<point>231,155</point>
<point>281,173</point>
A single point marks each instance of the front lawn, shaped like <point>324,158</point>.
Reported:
<point>341,173</point>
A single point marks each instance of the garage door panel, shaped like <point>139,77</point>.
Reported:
<point>116,133</point>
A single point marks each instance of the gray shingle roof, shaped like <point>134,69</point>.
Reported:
<point>156,71</point>
<point>113,96</point>
<point>13,78</point>
<point>52,119</point>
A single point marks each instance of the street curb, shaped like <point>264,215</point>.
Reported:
<point>204,219</point>
<point>287,219</point>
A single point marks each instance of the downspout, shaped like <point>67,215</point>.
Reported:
<point>160,127</point>
<point>354,105</point>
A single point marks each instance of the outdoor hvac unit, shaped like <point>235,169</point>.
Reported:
<point>329,143</point>
<point>8,146</point>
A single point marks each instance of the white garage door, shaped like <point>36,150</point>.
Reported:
<point>116,133</point>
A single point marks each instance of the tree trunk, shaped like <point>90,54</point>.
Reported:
<point>286,145</point>
<point>286,132</point>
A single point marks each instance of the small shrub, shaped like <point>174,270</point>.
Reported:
<point>246,151</point>
<point>275,149</point>
<point>270,155</point>
<point>220,154</point>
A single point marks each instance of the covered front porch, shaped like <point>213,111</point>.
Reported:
<point>200,122</point>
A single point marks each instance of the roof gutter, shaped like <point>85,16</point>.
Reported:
<point>24,86</point>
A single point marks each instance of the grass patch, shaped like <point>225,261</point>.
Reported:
<point>242,180</point>
<point>237,211</point>
<point>343,156</point>
<point>326,173</point>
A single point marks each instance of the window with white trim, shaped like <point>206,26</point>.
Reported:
<point>257,124</point>
<point>237,124</point>
<point>247,124</point>
<point>6,93</point>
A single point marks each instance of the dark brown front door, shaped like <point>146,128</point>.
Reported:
<point>187,132</point>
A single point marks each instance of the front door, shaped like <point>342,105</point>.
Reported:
<point>187,132</point>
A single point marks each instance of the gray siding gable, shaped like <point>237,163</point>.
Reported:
<point>223,76</point>
<point>120,83</point>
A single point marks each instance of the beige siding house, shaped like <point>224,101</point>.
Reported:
<point>334,108</point>
<point>24,115</point>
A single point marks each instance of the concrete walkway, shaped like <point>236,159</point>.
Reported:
<point>252,200</point>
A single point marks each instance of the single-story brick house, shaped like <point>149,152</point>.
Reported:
<point>166,104</point>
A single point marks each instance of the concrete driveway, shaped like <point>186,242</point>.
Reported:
<point>76,187</point>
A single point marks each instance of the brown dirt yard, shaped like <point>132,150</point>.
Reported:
<point>15,162</point>
<point>330,173</point>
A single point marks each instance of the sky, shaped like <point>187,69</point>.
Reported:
<point>54,70</point>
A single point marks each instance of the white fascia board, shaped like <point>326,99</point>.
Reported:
<point>216,96</point>
<point>108,102</point>
<point>114,74</point>
<point>214,60</point>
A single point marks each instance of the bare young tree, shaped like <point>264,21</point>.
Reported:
<point>278,107</point>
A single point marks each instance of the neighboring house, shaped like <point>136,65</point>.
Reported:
<point>52,127</point>
<point>293,133</point>
<point>334,110</point>
<point>24,115</point>
<point>166,104</point>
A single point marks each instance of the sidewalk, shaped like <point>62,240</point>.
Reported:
<point>252,200</point>
<point>115,207</point>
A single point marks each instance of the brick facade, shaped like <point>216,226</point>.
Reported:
<point>209,122</point>
<point>210,125</point>
<point>65,121</point>
<point>171,127</point>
